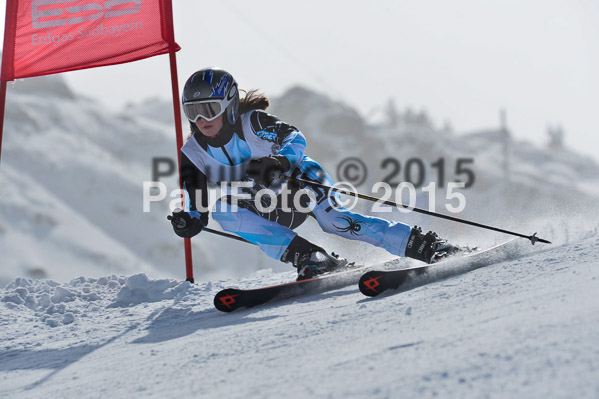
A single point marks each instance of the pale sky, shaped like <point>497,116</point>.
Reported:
<point>461,60</point>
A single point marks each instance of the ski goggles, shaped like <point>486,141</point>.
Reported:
<point>207,109</point>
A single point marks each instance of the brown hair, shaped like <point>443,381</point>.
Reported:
<point>250,102</point>
<point>253,100</point>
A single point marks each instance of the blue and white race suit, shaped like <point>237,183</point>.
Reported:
<point>257,134</point>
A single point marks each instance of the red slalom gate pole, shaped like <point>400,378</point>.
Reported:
<point>179,133</point>
<point>2,108</point>
<point>170,31</point>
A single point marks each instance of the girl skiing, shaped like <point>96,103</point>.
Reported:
<point>235,140</point>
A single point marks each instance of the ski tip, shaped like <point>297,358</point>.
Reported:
<point>369,283</point>
<point>226,301</point>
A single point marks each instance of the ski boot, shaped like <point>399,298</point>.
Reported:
<point>310,260</point>
<point>429,248</point>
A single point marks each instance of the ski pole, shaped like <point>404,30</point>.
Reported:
<point>533,238</point>
<point>221,233</point>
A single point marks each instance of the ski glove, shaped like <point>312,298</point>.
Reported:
<point>267,169</point>
<point>188,224</point>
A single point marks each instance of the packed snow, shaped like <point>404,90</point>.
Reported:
<point>520,328</point>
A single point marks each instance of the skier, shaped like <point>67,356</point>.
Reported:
<point>234,139</point>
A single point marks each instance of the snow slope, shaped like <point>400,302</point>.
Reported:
<point>40,227</point>
<point>524,328</point>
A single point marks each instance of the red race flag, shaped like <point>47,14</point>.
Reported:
<point>43,37</point>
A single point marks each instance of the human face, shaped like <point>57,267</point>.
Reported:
<point>210,128</point>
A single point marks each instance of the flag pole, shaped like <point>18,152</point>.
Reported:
<point>178,130</point>
<point>2,107</point>
<point>179,133</point>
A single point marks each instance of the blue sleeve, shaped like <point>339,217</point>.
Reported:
<point>291,141</point>
<point>293,148</point>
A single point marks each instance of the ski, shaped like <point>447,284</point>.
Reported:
<point>375,282</point>
<point>231,299</point>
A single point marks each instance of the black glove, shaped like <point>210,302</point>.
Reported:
<point>265,170</point>
<point>188,224</point>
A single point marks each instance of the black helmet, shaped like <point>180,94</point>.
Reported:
<point>210,92</point>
